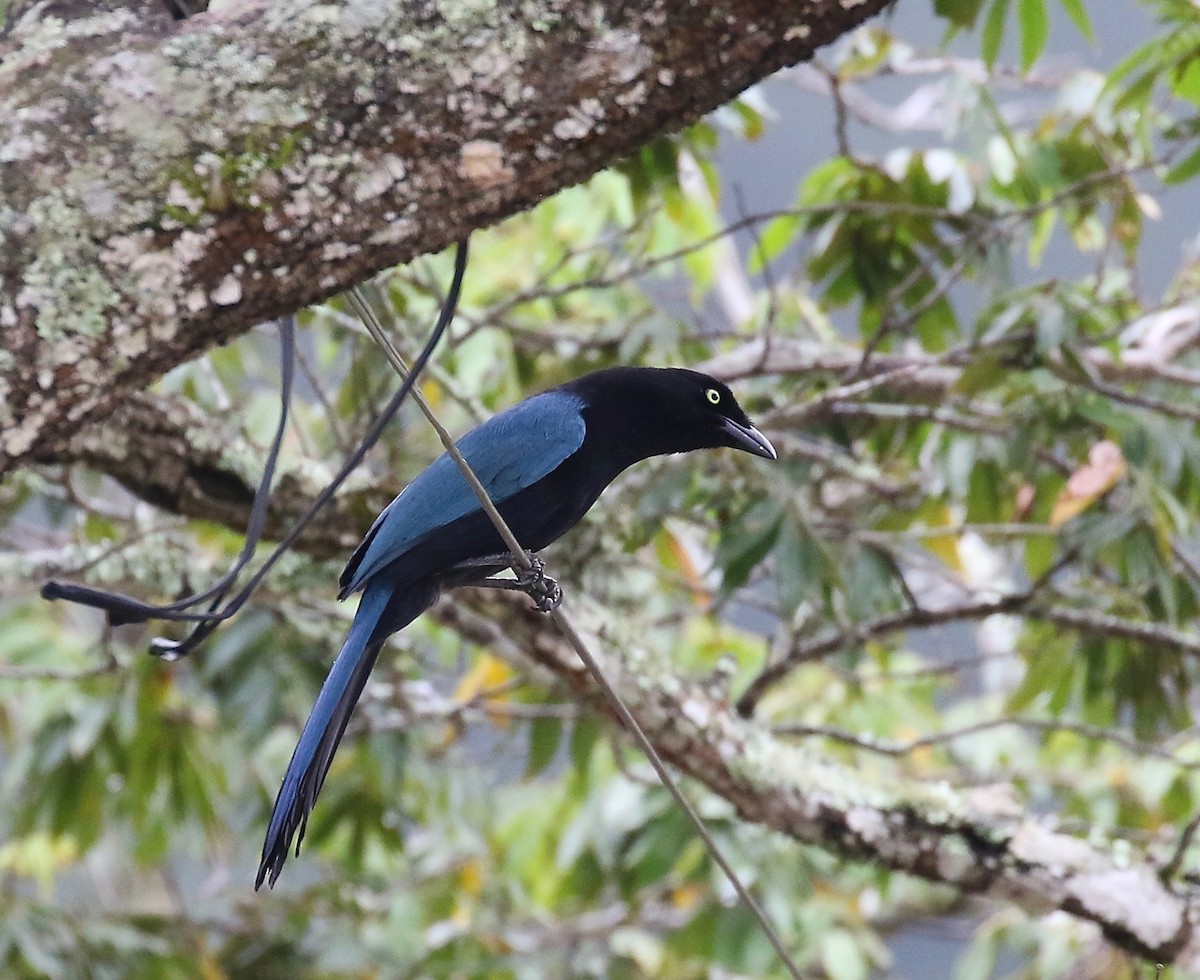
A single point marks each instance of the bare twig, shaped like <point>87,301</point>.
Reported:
<point>1175,408</point>
<point>415,704</point>
<point>1106,624</point>
<point>1171,868</point>
<point>521,560</point>
<point>1045,725</point>
<point>918,618</point>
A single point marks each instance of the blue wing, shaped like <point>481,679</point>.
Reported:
<point>509,452</point>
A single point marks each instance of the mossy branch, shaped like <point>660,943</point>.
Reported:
<point>168,184</point>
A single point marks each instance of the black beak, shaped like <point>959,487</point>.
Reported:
<point>748,439</point>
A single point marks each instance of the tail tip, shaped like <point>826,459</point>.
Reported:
<point>268,869</point>
<point>275,851</point>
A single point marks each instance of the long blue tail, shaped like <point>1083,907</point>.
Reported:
<point>381,612</point>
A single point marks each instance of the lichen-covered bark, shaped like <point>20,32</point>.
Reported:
<point>167,184</point>
<point>164,451</point>
<point>981,840</point>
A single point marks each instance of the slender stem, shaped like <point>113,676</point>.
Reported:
<point>521,560</point>
<point>1175,862</point>
<point>375,329</point>
<point>660,768</point>
<point>919,618</point>
<point>869,743</point>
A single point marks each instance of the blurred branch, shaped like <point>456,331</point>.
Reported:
<point>1021,603</point>
<point>1044,725</point>
<point>857,634</point>
<point>165,451</point>
<point>1172,408</point>
<point>653,912</point>
<point>1103,624</point>
<point>861,471</point>
<point>1174,863</point>
<point>934,376</point>
<point>417,702</point>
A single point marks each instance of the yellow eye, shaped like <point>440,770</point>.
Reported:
<point>712,395</point>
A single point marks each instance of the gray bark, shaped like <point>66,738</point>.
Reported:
<point>165,185</point>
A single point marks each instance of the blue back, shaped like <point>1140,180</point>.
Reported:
<point>509,452</point>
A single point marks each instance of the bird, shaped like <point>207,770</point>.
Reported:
<point>543,462</point>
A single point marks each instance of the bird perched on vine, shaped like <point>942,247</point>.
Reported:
<point>543,463</point>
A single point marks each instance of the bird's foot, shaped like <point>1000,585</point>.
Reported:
<point>540,587</point>
<point>533,581</point>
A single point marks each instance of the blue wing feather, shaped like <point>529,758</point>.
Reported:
<point>509,452</point>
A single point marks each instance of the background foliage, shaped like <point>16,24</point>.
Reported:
<point>977,559</point>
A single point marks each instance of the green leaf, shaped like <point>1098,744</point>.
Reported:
<point>842,956</point>
<point>983,374</point>
<point>1078,14</point>
<point>584,736</point>
<point>752,120</point>
<point>937,325</point>
<point>545,735</point>
<point>1178,803</point>
<point>1039,554</point>
<point>985,503</point>
<point>1186,169</point>
<point>800,565</point>
<point>1185,80</point>
<point>1035,28</point>
<point>979,961</point>
<point>740,552</point>
<point>993,31</point>
<point>960,13</point>
<point>779,233</point>
<point>1137,95</point>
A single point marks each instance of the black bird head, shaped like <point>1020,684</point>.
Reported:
<point>654,411</point>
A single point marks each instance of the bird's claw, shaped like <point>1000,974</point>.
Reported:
<point>547,596</point>
<point>532,580</point>
<point>540,587</point>
<point>536,572</point>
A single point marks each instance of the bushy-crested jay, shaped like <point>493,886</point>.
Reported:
<point>543,462</point>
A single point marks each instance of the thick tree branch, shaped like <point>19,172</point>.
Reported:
<point>980,841</point>
<point>168,184</point>
<point>164,451</point>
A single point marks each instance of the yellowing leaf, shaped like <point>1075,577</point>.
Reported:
<point>686,897</point>
<point>921,759</point>
<point>487,680</point>
<point>1105,466</point>
<point>432,392</point>
<point>945,546</point>
<point>40,856</point>
<point>470,878</point>
<point>674,554</point>
<point>210,967</point>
